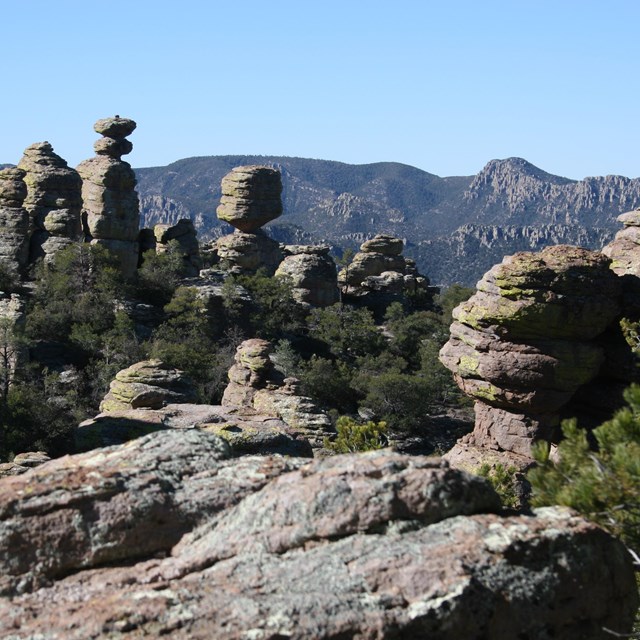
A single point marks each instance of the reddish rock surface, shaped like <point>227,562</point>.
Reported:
<point>166,536</point>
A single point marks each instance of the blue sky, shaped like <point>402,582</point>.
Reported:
<point>444,86</point>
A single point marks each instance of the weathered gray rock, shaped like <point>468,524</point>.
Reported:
<point>245,430</point>
<point>245,253</point>
<point>312,273</point>
<point>379,275</point>
<point>184,234</point>
<point>524,344</point>
<point>148,384</point>
<point>53,200</point>
<point>250,197</point>
<point>14,219</point>
<point>166,536</point>
<point>110,203</point>
<point>253,383</point>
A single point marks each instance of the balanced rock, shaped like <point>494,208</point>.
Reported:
<point>148,384</point>
<point>111,208</point>
<point>53,200</point>
<point>525,342</point>
<point>312,273</point>
<point>184,235</point>
<point>167,536</point>
<point>14,219</point>
<point>250,197</point>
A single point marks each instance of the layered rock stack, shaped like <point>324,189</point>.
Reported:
<point>111,213</point>
<point>149,384</point>
<point>184,234</point>
<point>250,199</point>
<point>525,343</point>
<point>53,200</point>
<point>14,220</point>
<point>312,273</point>
<point>379,274</point>
<point>253,383</point>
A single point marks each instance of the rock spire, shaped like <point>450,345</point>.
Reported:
<point>111,213</point>
<point>14,219</point>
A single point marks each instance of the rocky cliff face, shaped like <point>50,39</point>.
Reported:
<point>345,205</point>
<point>169,536</point>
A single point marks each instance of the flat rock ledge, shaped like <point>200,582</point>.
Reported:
<point>168,536</point>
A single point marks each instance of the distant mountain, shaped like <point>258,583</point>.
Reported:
<point>455,227</point>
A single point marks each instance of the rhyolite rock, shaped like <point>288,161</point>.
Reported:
<point>14,220</point>
<point>245,430</point>
<point>250,197</point>
<point>184,235</point>
<point>111,215</point>
<point>255,384</point>
<point>167,536</point>
<point>312,273</point>
<point>149,384</point>
<point>53,200</point>
<point>379,275</point>
<point>526,342</point>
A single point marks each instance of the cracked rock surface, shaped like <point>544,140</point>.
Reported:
<point>168,536</point>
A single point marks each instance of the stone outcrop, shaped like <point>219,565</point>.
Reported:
<point>526,342</point>
<point>22,463</point>
<point>168,536</point>
<point>312,273</point>
<point>111,214</point>
<point>250,199</point>
<point>254,384</point>
<point>149,384</point>
<point>53,200</point>
<point>14,220</point>
<point>184,234</point>
<point>379,274</point>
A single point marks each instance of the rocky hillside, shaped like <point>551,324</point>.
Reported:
<point>455,227</point>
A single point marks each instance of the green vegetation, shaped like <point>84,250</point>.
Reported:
<point>354,436</point>
<point>504,481</point>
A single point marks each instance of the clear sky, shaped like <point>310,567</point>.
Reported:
<point>445,86</point>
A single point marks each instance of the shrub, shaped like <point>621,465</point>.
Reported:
<point>353,436</point>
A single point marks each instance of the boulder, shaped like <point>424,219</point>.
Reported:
<point>525,343</point>
<point>149,384</point>
<point>250,197</point>
<point>111,214</point>
<point>245,253</point>
<point>53,200</point>
<point>168,536</point>
<point>312,273</point>
<point>14,220</point>
<point>184,234</point>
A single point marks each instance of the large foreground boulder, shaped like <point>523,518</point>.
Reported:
<point>167,536</point>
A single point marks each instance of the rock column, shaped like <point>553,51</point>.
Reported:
<point>111,214</point>
<point>14,220</point>
<point>250,199</point>
<point>53,200</point>
<point>525,343</point>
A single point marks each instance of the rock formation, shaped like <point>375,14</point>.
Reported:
<point>149,384</point>
<point>14,220</point>
<point>525,343</point>
<point>379,274</point>
<point>250,199</point>
<point>168,536</point>
<point>53,200</point>
<point>22,463</point>
<point>184,234</point>
<point>253,383</point>
<point>111,210</point>
<point>312,273</point>
<point>149,396</point>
